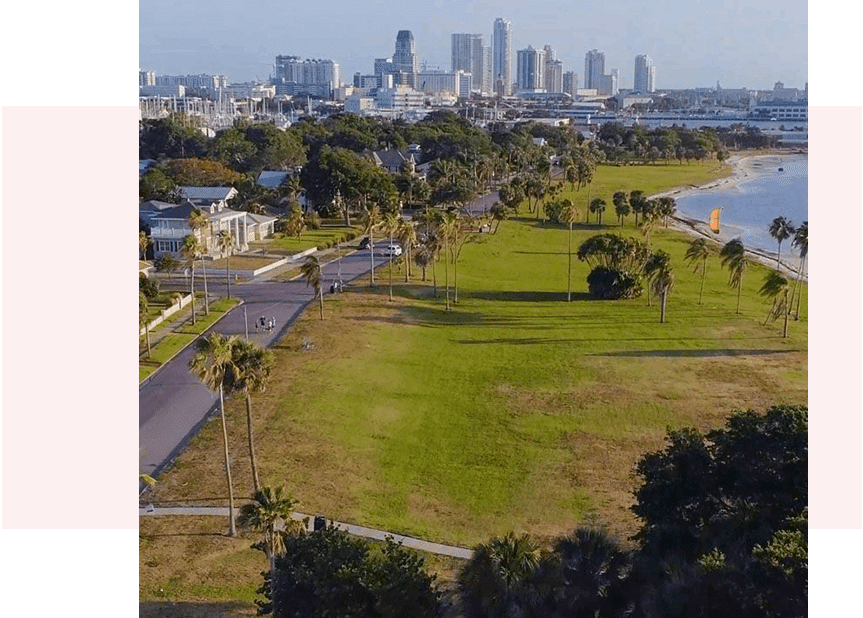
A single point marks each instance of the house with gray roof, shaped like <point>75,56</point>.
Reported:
<point>169,227</point>
<point>209,195</point>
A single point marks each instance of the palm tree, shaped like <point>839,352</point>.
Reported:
<point>226,246</point>
<point>591,572</point>
<point>496,582</point>
<point>251,369</point>
<point>190,250</point>
<point>498,214</point>
<point>144,318</point>
<point>656,263</point>
<point>663,283</point>
<point>371,219</point>
<point>423,257</point>
<point>311,272</point>
<point>775,288</point>
<point>407,236</point>
<point>569,214</point>
<point>200,222</point>
<point>391,223</point>
<point>270,514</point>
<point>780,229</point>
<point>733,256</point>
<point>213,360</point>
<point>696,255</point>
<point>449,232</point>
<point>621,205</point>
<point>651,214</point>
<point>144,243</point>
<point>636,203</point>
<point>801,241</point>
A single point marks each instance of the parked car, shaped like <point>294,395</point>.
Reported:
<point>364,243</point>
<point>392,250</point>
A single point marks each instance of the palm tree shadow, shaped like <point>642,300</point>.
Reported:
<point>725,352</point>
<point>525,297</point>
<point>190,609</point>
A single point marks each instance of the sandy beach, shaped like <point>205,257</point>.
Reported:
<point>744,168</point>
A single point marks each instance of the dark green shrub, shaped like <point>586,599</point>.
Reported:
<point>613,284</point>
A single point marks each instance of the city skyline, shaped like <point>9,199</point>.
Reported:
<point>692,45</point>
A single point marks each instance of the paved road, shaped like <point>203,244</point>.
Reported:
<point>369,533</point>
<point>173,404</point>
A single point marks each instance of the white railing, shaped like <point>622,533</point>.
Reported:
<point>169,232</point>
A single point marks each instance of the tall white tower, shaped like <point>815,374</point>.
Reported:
<point>645,74</point>
<point>502,57</point>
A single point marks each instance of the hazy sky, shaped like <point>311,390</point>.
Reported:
<point>748,44</point>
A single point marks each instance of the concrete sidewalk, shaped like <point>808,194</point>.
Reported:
<point>369,533</point>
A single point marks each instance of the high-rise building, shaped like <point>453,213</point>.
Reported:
<point>468,55</point>
<point>530,74</point>
<point>310,77</point>
<point>502,57</point>
<point>570,83</point>
<point>594,68</point>
<point>405,62</point>
<point>645,74</point>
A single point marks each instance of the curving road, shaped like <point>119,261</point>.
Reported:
<point>173,404</point>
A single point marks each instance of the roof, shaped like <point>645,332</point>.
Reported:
<point>272,180</point>
<point>215,194</point>
<point>178,212</point>
<point>390,158</point>
<point>144,165</point>
<point>155,206</point>
<point>259,219</point>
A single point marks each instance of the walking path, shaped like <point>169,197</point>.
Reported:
<point>369,533</point>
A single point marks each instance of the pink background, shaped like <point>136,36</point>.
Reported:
<point>70,405</point>
<point>70,393</point>
<point>836,405</point>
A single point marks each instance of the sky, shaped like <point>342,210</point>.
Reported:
<point>693,43</point>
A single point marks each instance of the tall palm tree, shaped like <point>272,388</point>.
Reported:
<point>656,263</point>
<point>213,360</point>
<point>144,243</point>
<point>199,223</point>
<point>621,206</point>
<point>651,214</point>
<point>780,229</point>
<point>733,256</point>
<point>251,369</point>
<point>569,215</point>
<point>498,213</point>
<point>496,582</point>
<point>449,233</point>
<point>371,219</point>
<point>392,220</point>
<point>663,283</point>
<point>144,318</point>
<point>696,255</point>
<point>270,514</point>
<point>311,272</point>
<point>597,205</point>
<point>407,236</point>
<point>775,288</point>
<point>226,246</point>
<point>190,250</point>
<point>801,241</point>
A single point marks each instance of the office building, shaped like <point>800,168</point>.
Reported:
<point>570,83</point>
<point>405,60</point>
<point>295,76</point>
<point>645,75</point>
<point>530,74</point>
<point>458,83</point>
<point>594,68</point>
<point>502,57</point>
<point>469,55</point>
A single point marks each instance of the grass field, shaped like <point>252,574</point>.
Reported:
<point>326,236</point>
<point>515,411</point>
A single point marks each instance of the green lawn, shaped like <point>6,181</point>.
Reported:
<point>516,410</point>
<point>321,238</point>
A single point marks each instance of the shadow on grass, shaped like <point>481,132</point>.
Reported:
<point>525,297</point>
<point>194,609</point>
<point>691,353</point>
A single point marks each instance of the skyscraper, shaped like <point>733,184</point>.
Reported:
<point>594,69</point>
<point>502,57</point>
<point>468,55</point>
<point>570,83</point>
<point>645,74</point>
<point>531,69</point>
<point>405,61</point>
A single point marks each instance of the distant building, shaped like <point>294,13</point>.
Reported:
<point>405,60</point>
<point>554,76</point>
<point>570,83</point>
<point>399,98</point>
<point>457,83</point>
<point>645,75</point>
<point>780,110</point>
<point>295,76</point>
<point>176,90</point>
<point>502,57</point>
<point>530,70</point>
<point>594,68</point>
<point>146,78</point>
<point>469,56</point>
<point>202,82</point>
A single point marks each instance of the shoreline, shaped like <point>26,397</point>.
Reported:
<point>744,167</point>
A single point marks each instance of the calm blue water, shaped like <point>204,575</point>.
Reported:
<point>749,207</point>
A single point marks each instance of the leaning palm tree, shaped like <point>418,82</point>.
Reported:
<point>251,369</point>
<point>270,514</point>
<point>407,236</point>
<point>775,288</point>
<point>801,241</point>
<point>733,256</point>
<point>311,272</point>
<point>496,582</point>
<point>199,222</point>
<point>213,360</point>
<point>780,229</point>
<point>144,243</point>
<point>569,215</point>
<point>696,255</point>
<point>371,219</point>
<point>190,250</point>
<point>226,246</point>
<point>498,213</point>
